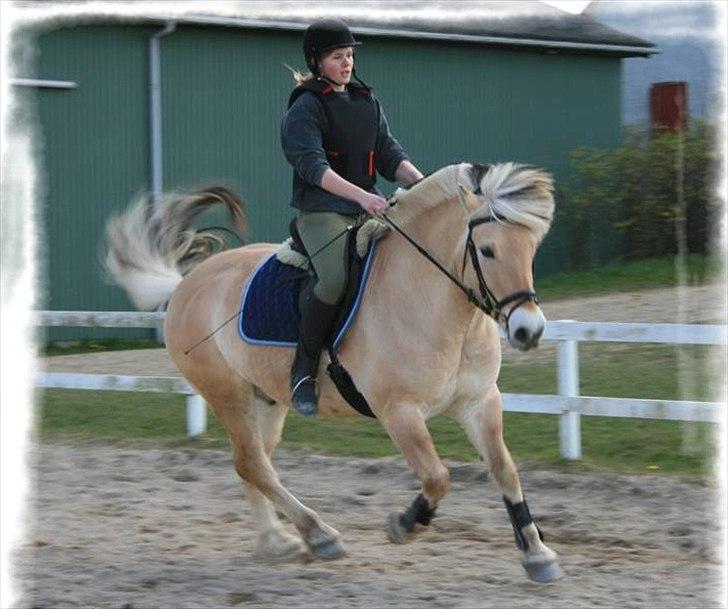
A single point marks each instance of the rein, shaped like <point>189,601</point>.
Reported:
<point>489,304</point>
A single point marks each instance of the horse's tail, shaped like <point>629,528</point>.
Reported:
<point>150,247</point>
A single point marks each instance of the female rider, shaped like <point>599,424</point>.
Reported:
<point>336,137</point>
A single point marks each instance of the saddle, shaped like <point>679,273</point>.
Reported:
<point>269,309</point>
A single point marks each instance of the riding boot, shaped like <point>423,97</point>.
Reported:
<point>317,321</point>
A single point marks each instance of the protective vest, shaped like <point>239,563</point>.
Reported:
<point>350,141</point>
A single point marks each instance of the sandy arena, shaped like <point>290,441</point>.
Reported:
<point>117,526</point>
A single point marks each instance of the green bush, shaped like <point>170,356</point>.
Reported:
<point>623,204</point>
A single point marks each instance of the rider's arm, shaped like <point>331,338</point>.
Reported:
<point>332,182</point>
<point>407,172</point>
<point>302,140</point>
<point>369,201</point>
<point>302,144</point>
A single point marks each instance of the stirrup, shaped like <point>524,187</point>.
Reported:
<point>304,398</point>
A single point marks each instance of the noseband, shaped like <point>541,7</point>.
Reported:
<point>491,305</point>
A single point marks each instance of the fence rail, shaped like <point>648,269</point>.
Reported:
<point>568,405</point>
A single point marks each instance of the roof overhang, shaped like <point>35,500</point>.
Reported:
<point>570,40</point>
<point>422,35</point>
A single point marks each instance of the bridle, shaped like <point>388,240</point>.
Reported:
<point>489,304</point>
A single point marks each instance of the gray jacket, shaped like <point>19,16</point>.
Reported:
<point>302,131</point>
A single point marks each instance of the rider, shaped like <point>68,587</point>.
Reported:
<point>336,137</point>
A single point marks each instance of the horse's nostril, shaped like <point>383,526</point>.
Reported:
<point>538,334</point>
<point>521,335</point>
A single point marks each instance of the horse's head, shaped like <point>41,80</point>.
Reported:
<point>508,209</point>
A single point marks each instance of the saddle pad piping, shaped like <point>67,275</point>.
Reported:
<point>359,297</point>
<point>344,329</point>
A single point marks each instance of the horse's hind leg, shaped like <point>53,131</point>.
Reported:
<point>406,426</point>
<point>232,404</point>
<point>483,423</point>
<point>274,542</point>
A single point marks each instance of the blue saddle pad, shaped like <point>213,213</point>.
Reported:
<point>269,312</point>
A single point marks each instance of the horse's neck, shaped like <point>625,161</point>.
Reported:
<point>418,294</point>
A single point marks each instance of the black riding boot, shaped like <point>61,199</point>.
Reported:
<point>317,321</point>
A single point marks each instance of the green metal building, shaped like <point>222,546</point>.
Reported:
<point>523,89</point>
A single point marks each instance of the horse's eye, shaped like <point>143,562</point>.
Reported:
<point>487,252</point>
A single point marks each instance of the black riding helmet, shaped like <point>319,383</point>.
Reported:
<point>325,35</point>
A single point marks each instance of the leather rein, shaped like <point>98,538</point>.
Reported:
<point>489,304</point>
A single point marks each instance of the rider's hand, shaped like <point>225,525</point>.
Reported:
<point>373,204</point>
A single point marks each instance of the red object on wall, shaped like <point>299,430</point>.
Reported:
<point>669,105</point>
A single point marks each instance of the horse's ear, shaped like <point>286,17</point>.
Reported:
<point>468,200</point>
<point>477,173</point>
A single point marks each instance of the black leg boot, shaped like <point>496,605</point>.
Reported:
<point>317,321</point>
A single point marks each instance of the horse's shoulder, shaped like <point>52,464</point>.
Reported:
<point>482,342</point>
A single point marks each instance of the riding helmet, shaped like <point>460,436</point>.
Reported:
<point>325,35</point>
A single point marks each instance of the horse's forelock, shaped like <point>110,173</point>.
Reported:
<point>520,193</point>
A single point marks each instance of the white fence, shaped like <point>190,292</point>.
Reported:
<point>569,405</point>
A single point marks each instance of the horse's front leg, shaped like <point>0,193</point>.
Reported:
<point>483,423</point>
<point>405,424</point>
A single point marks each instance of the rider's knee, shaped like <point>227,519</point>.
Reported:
<point>330,291</point>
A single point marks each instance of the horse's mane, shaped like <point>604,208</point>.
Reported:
<point>519,193</point>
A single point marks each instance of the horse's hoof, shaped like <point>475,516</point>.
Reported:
<point>277,545</point>
<point>328,549</point>
<point>543,572</point>
<point>396,533</point>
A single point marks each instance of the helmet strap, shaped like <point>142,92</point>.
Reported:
<point>359,80</point>
<point>329,80</point>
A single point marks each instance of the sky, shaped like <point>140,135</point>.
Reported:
<point>570,6</point>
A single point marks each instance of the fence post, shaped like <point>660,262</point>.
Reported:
<point>569,422</point>
<point>196,415</point>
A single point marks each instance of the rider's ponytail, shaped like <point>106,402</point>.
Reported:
<point>299,77</point>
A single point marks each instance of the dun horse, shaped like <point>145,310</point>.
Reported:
<point>419,346</point>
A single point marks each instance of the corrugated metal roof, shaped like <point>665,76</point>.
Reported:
<point>509,23</point>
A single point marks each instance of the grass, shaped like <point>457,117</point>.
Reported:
<point>623,445</point>
<point>627,277</point>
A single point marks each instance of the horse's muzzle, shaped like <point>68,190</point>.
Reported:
<point>525,327</point>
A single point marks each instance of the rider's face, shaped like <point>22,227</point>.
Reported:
<point>338,64</point>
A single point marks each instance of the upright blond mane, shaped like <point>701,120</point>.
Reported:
<point>520,194</point>
<point>427,193</point>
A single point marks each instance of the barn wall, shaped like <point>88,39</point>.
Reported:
<point>224,93</point>
<point>94,159</point>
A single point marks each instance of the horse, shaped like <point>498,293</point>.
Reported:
<point>419,346</point>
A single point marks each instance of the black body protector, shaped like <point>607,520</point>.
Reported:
<point>350,141</point>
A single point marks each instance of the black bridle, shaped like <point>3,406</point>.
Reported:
<point>492,306</point>
<point>489,304</point>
